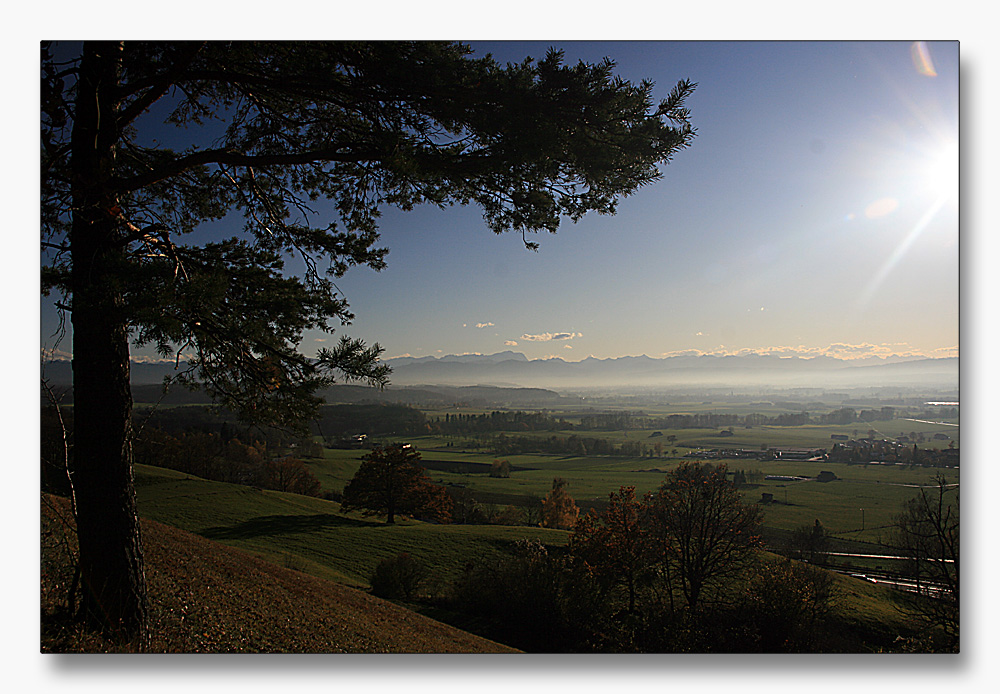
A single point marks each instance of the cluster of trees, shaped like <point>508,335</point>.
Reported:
<point>743,478</point>
<point>616,421</point>
<point>215,457</point>
<point>678,569</point>
<point>192,441</point>
<point>937,413</point>
<point>504,444</point>
<point>848,415</point>
<point>225,425</point>
<point>379,419</point>
<point>892,452</point>
<point>467,509</point>
<point>505,421</point>
<point>500,469</point>
<point>459,424</point>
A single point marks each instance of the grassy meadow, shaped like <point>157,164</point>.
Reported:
<point>878,489</point>
<point>312,534</point>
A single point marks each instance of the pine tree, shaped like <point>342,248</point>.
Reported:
<point>308,140</point>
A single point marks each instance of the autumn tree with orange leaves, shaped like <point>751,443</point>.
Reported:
<point>615,547</point>
<point>558,508</point>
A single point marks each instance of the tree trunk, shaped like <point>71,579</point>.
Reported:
<point>111,565</point>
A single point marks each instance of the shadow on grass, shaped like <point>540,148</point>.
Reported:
<point>284,525</point>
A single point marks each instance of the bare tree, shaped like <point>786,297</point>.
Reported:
<point>927,532</point>
<point>704,529</point>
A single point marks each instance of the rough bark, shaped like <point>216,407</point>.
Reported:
<point>111,567</point>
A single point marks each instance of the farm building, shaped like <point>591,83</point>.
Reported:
<point>788,453</point>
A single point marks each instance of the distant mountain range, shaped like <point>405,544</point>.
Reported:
<point>515,370</point>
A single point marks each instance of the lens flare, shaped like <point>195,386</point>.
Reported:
<point>921,57</point>
<point>881,208</point>
<point>898,254</point>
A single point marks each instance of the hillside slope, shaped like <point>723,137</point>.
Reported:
<point>209,598</point>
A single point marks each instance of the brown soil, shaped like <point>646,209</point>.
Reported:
<point>209,598</point>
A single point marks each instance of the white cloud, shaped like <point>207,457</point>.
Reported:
<point>546,337</point>
<point>153,359</point>
<point>510,343</point>
<point>838,350</point>
<point>484,325</point>
<point>683,353</point>
<point>944,352</point>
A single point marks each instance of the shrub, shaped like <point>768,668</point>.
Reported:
<point>397,577</point>
<point>530,599</point>
<point>500,468</point>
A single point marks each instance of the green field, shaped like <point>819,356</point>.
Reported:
<point>879,490</point>
<point>312,534</point>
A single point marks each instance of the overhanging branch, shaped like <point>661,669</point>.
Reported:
<point>230,157</point>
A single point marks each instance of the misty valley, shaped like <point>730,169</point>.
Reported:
<point>537,518</point>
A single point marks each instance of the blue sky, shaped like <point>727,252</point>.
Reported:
<point>815,213</point>
<point>797,222</point>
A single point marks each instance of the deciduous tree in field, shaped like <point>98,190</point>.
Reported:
<point>927,531</point>
<point>615,546</point>
<point>781,602</point>
<point>144,142</point>
<point>392,482</point>
<point>500,468</point>
<point>290,475</point>
<point>810,540</point>
<point>558,508</point>
<point>703,528</point>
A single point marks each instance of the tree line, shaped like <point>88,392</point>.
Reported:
<point>213,457</point>
<point>194,441</point>
<point>459,424</point>
<point>617,421</point>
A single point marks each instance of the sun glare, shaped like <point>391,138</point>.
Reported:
<point>940,172</point>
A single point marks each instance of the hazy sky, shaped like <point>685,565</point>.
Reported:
<point>815,213</point>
